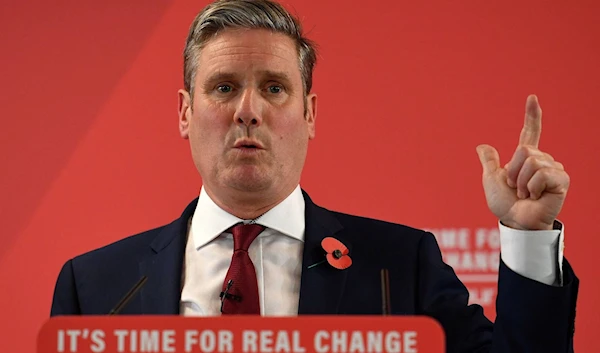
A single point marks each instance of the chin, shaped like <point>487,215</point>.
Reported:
<point>249,180</point>
<point>250,185</point>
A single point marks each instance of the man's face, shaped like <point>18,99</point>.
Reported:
<point>246,123</point>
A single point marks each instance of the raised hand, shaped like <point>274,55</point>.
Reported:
<point>529,191</point>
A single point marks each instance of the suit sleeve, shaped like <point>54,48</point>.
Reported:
<point>531,316</point>
<point>443,297</point>
<point>65,300</point>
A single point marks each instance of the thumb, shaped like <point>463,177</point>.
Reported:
<point>489,158</point>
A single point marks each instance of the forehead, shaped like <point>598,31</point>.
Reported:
<point>248,50</point>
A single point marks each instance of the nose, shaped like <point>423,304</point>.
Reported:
<point>249,110</point>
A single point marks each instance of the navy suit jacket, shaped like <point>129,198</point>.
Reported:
<point>531,316</point>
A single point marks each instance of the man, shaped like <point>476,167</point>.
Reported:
<point>251,242</point>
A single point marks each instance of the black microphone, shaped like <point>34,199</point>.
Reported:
<point>125,300</point>
<point>226,295</point>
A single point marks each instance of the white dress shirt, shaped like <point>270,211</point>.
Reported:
<point>277,256</point>
<point>535,254</point>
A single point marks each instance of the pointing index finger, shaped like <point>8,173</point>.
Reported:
<point>532,127</point>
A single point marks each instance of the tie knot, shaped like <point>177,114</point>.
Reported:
<point>244,235</point>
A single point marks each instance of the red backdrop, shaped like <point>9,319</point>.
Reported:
<point>91,151</point>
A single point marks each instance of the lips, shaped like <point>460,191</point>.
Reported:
<point>248,144</point>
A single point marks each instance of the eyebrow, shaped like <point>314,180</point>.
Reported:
<point>264,74</point>
<point>220,76</point>
<point>276,75</point>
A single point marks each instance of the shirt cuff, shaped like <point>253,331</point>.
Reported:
<point>534,254</point>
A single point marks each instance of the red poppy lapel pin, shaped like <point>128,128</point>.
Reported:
<point>337,254</point>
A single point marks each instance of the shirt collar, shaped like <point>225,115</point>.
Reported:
<point>209,220</point>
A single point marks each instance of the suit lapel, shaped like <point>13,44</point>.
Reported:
<point>322,286</point>
<point>162,292</point>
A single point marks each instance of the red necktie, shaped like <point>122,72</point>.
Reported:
<point>242,294</point>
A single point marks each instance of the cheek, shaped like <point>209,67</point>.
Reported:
<point>212,122</point>
<point>209,135</point>
<point>291,132</point>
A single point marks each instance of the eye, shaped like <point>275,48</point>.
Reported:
<point>224,88</point>
<point>275,89</point>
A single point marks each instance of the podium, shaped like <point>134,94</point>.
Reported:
<point>247,334</point>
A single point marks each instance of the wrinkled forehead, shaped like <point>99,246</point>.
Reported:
<point>236,51</point>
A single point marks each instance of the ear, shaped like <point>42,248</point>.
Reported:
<point>185,112</point>
<point>311,114</point>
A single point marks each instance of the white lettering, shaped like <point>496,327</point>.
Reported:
<point>374,341</point>
<point>482,296</point>
<point>319,346</point>
<point>133,341</point>
<point>467,261</point>
<point>207,341</point>
<point>410,342</point>
<point>60,341</point>
<point>249,341</point>
<point>481,263</point>
<point>487,237</point>
<point>73,335</point>
<point>283,342</point>
<point>452,259</point>
<point>266,341</point>
<point>369,341</point>
<point>480,238</point>
<point>225,341</point>
<point>296,342</point>
<point>453,238</point>
<point>191,339</point>
<point>392,342</point>
<point>447,238</point>
<point>98,344</point>
<point>356,342</point>
<point>168,341</point>
<point>149,341</point>
<point>121,334</point>
<point>477,261</point>
<point>494,261</point>
<point>339,341</point>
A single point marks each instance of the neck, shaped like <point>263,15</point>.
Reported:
<point>248,205</point>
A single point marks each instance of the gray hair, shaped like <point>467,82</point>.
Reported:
<point>248,14</point>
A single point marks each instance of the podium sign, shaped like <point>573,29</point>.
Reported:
<point>247,334</point>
